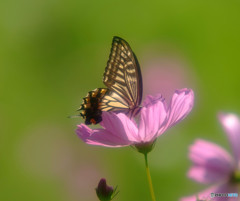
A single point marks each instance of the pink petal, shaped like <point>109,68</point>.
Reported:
<point>153,117</point>
<point>206,194</point>
<point>152,99</point>
<point>100,137</point>
<point>119,131</point>
<point>211,163</point>
<point>121,125</point>
<point>181,104</point>
<point>231,125</point>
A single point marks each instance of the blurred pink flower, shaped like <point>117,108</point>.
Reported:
<point>155,118</point>
<point>213,165</point>
<point>165,74</point>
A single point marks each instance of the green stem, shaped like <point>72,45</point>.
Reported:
<point>149,179</point>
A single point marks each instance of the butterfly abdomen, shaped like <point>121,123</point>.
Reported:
<point>91,110</point>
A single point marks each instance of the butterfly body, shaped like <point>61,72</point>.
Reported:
<point>91,110</point>
<point>123,80</point>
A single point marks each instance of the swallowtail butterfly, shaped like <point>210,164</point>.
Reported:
<point>123,80</point>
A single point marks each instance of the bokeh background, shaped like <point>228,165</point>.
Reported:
<point>53,52</point>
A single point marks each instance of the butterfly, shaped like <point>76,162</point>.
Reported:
<point>123,80</point>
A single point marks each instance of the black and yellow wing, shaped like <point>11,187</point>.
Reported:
<point>123,80</point>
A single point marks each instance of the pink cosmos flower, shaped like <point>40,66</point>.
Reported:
<point>160,70</point>
<point>155,118</point>
<point>213,165</point>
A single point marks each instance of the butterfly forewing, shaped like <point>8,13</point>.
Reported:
<point>123,76</point>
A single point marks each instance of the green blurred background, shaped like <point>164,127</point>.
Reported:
<point>53,52</point>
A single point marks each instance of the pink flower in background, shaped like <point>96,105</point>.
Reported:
<point>165,74</point>
<point>213,165</point>
<point>155,118</point>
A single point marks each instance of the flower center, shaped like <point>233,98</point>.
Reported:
<point>236,177</point>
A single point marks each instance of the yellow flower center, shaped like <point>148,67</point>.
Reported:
<point>236,176</point>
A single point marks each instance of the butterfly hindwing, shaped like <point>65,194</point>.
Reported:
<point>90,107</point>
<point>113,102</point>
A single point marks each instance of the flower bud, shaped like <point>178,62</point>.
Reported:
<point>105,192</point>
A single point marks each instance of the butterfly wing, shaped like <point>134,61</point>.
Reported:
<point>123,79</point>
<point>90,107</point>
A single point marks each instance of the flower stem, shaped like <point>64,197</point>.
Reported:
<point>149,178</point>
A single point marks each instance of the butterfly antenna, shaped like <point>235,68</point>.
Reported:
<point>74,116</point>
